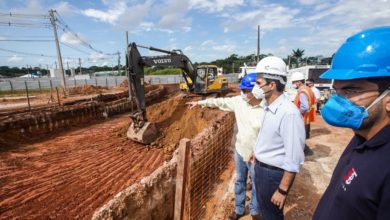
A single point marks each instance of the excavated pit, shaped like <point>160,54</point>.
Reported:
<point>66,163</point>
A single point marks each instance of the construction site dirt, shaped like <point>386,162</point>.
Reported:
<point>69,174</point>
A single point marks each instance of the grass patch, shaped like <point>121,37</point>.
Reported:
<point>170,71</point>
<point>15,93</point>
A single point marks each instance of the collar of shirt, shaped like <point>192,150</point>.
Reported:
<point>274,105</point>
<point>380,139</point>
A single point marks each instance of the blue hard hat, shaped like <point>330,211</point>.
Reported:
<point>363,55</point>
<point>248,81</point>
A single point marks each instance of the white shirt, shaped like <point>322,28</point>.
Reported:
<point>281,139</point>
<point>248,119</point>
<point>316,92</point>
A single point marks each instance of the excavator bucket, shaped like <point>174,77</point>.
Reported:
<point>145,135</point>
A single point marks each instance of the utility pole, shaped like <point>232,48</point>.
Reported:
<point>59,58</point>
<point>258,43</point>
<point>80,65</point>
<point>119,63</point>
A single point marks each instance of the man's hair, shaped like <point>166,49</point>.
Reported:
<point>383,83</point>
<point>279,86</point>
<point>310,80</point>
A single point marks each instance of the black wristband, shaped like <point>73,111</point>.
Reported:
<point>281,191</point>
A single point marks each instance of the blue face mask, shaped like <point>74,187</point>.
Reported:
<point>340,112</point>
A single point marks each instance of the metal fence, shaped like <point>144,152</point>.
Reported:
<point>17,84</point>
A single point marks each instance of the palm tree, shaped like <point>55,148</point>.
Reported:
<point>298,54</point>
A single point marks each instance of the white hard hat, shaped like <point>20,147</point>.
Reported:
<point>297,76</point>
<point>273,68</point>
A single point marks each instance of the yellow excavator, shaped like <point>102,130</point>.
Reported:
<point>200,80</point>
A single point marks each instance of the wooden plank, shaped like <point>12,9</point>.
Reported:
<point>181,178</point>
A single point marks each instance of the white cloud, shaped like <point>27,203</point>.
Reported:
<point>111,15</point>
<point>207,43</point>
<point>308,2</point>
<point>96,57</point>
<point>269,17</point>
<point>64,8</point>
<point>69,38</point>
<point>215,5</point>
<point>3,38</point>
<point>15,59</point>
<point>187,49</point>
<point>227,48</point>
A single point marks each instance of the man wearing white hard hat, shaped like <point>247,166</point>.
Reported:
<point>278,152</point>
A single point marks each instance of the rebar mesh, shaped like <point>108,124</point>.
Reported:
<point>207,164</point>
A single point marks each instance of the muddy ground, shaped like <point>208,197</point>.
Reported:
<point>69,174</point>
<point>326,145</point>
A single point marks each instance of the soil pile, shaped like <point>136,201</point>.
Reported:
<point>85,89</point>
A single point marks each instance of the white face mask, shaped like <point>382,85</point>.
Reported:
<point>258,92</point>
<point>294,86</point>
<point>244,97</point>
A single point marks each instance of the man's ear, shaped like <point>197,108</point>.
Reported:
<point>386,100</point>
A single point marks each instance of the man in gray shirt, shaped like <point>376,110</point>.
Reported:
<point>278,152</point>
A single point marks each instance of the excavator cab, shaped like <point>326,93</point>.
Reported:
<point>208,80</point>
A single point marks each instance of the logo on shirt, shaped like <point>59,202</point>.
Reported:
<point>347,180</point>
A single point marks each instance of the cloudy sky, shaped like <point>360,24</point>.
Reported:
<point>204,29</point>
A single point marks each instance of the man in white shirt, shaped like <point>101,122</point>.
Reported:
<point>278,152</point>
<point>248,114</point>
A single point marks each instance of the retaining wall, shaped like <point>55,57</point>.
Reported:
<point>47,120</point>
<point>153,197</point>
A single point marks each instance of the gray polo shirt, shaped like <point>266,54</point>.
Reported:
<point>281,139</point>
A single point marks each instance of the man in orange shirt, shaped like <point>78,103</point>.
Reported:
<point>305,100</point>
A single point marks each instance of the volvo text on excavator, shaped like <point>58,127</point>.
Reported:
<point>200,80</point>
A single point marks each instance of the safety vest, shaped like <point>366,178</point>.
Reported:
<point>310,115</point>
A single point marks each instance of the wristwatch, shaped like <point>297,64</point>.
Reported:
<point>281,191</point>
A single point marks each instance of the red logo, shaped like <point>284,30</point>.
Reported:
<point>351,175</point>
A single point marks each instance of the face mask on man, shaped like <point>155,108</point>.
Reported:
<point>258,92</point>
<point>244,96</point>
<point>341,112</point>
<point>294,86</point>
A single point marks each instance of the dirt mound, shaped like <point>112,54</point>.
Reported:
<point>86,89</point>
<point>175,121</point>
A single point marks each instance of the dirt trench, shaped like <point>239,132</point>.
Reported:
<point>69,174</point>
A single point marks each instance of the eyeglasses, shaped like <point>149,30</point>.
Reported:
<point>352,92</point>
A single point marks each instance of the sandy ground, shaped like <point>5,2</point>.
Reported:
<point>326,145</point>
<point>68,175</point>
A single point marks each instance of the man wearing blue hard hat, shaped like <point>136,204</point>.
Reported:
<point>360,185</point>
<point>248,114</point>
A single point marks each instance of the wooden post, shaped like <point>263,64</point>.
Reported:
<point>39,85</point>
<point>12,87</point>
<point>181,177</point>
<point>58,97</point>
<point>28,97</point>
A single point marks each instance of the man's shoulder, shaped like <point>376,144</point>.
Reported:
<point>288,107</point>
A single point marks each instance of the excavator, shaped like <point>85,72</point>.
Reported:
<point>200,80</point>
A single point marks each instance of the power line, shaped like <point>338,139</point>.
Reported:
<point>21,24</point>
<point>21,15</point>
<point>74,48</point>
<point>26,53</point>
<point>66,28</point>
<point>26,40</point>
<point>33,54</point>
